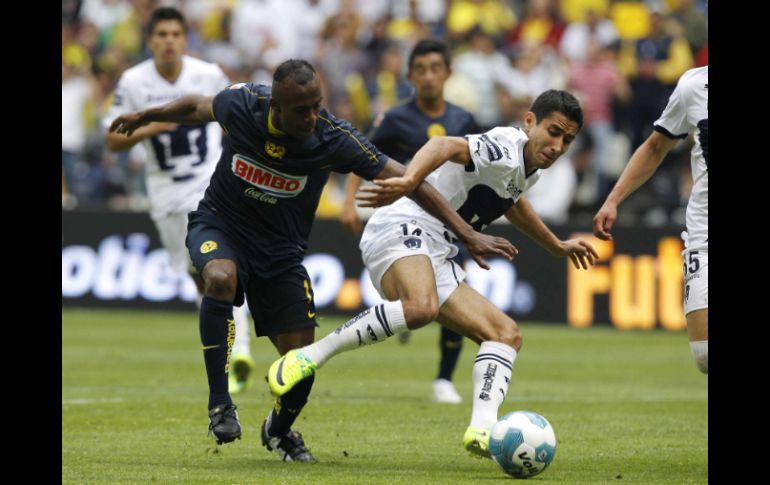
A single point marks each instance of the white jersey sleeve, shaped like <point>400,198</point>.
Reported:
<point>687,111</point>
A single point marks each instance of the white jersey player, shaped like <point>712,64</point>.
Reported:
<point>686,112</point>
<point>408,252</point>
<point>181,158</point>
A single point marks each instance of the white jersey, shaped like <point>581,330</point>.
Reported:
<point>480,191</point>
<point>687,110</point>
<point>179,163</point>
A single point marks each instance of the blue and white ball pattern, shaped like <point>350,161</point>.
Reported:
<point>522,443</point>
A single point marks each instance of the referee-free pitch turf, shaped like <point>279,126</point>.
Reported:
<point>627,408</point>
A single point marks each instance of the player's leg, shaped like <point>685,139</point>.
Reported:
<point>215,258</point>
<point>172,230</point>
<point>468,312</point>
<point>696,306</point>
<point>410,286</point>
<point>450,344</point>
<point>398,257</point>
<point>697,331</point>
<point>242,363</point>
<point>284,310</point>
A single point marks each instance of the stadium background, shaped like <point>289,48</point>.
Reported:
<point>504,54</point>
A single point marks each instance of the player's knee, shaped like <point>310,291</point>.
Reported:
<point>220,283</point>
<point>420,311</point>
<point>506,332</point>
<point>700,352</point>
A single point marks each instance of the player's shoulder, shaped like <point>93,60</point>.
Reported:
<point>456,111</point>
<point>331,125</point>
<point>201,66</point>
<point>138,72</point>
<point>694,79</point>
<point>404,109</point>
<point>510,133</point>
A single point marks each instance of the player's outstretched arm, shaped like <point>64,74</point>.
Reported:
<point>523,216</point>
<point>186,110</point>
<point>437,151</point>
<point>640,168</point>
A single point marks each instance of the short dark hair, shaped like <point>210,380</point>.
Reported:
<point>560,102</point>
<point>426,46</point>
<point>298,70</point>
<point>165,13</point>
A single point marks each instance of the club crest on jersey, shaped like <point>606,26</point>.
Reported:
<point>513,190</point>
<point>209,246</point>
<point>275,151</point>
<point>436,129</point>
<point>267,180</point>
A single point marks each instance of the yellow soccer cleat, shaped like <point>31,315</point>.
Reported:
<point>242,366</point>
<point>476,441</point>
<point>287,371</point>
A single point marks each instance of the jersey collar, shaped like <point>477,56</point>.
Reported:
<point>270,127</point>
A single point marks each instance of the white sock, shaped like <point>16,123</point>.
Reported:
<point>242,344</point>
<point>371,326</point>
<point>700,352</point>
<point>491,374</point>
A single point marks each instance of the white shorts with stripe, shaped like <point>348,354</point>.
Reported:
<point>382,244</point>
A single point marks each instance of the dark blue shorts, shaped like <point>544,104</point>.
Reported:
<point>278,304</point>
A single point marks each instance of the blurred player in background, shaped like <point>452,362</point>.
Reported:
<point>181,158</point>
<point>408,252</point>
<point>250,232</point>
<point>400,133</point>
<point>687,111</point>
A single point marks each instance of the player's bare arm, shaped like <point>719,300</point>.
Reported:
<point>523,216</point>
<point>118,143</point>
<point>640,168</point>
<point>349,218</point>
<point>190,109</point>
<point>431,156</point>
<point>435,204</point>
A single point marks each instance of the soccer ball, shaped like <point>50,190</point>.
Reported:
<point>522,443</point>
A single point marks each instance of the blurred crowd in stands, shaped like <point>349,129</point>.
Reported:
<point>621,58</point>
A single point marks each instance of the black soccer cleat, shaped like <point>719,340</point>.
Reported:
<point>289,447</point>
<point>223,424</point>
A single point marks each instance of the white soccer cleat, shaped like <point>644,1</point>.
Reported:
<point>444,392</point>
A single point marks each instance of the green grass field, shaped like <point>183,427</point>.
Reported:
<point>627,407</point>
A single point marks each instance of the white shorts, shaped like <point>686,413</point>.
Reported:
<point>696,280</point>
<point>384,244</point>
<point>172,230</point>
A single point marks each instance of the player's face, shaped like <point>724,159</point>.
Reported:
<point>167,41</point>
<point>297,107</point>
<point>428,73</point>
<point>548,139</point>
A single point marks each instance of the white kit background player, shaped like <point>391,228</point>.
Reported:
<point>407,251</point>
<point>180,158</point>
<point>687,111</point>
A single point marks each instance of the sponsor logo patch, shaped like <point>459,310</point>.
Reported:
<point>269,181</point>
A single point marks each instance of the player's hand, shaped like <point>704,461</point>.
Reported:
<point>484,244</point>
<point>128,123</point>
<point>603,221</point>
<point>385,192</point>
<point>580,252</point>
<point>350,220</point>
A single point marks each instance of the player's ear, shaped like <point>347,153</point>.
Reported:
<point>530,120</point>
